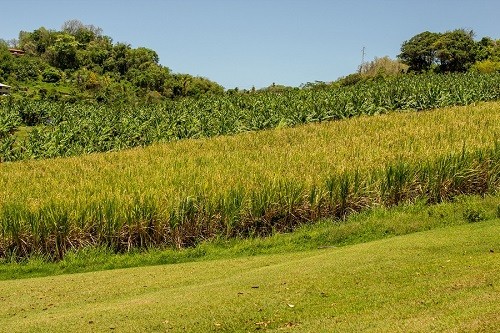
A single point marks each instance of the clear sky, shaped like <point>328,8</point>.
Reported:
<point>245,43</point>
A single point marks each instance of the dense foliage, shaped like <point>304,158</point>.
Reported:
<point>79,62</point>
<point>62,129</point>
<point>451,51</point>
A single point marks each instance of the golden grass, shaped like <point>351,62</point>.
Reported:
<point>308,153</point>
<point>181,193</point>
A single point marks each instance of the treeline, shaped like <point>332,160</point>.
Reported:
<point>453,51</point>
<point>80,62</point>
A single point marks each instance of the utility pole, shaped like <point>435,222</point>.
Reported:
<point>362,60</point>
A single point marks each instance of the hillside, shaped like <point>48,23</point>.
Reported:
<point>79,62</point>
<point>40,129</point>
<point>180,193</point>
<point>136,199</point>
<point>440,280</point>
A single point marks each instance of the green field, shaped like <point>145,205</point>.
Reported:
<point>194,235</point>
<point>180,193</point>
<point>439,280</point>
<point>68,129</point>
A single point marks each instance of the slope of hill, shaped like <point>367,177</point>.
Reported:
<point>54,129</point>
<point>180,193</point>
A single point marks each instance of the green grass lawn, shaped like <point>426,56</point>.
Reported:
<point>445,279</point>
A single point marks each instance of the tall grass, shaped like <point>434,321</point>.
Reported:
<point>179,193</point>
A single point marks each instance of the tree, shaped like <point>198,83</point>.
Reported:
<point>51,75</point>
<point>141,56</point>
<point>84,34</point>
<point>6,61</point>
<point>38,41</point>
<point>72,26</point>
<point>62,53</point>
<point>99,50</point>
<point>452,51</point>
<point>118,61</point>
<point>455,50</point>
<point>27,68</point>
<point>80,55</point>
<point>488,49</point>
<point>419,52</point>
<point>95,54</point>
<point>150,76</point>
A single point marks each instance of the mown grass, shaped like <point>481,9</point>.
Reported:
<point>374,224</point>
<point>181,193</point>
<point>446,279</point>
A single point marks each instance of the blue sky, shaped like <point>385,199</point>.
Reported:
<point>245,43</point>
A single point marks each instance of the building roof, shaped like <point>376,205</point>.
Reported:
<point>16,51</point>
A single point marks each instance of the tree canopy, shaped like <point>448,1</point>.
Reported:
<point>451,51</point>
<point>81,57</point>
<point>419,52</point>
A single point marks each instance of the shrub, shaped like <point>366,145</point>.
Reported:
<point>350,80</point>
<point>472,215</point>
<point>486,66</point>
<point>51,75</point>
<point>382,67</point>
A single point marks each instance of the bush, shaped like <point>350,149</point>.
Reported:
<point>51,75</point>
<point>472,215</point>
<point>383,67</point>
<point>486,66</point>
<point>350,80</point>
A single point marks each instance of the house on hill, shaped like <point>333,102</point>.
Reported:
<point>16,52</point>
<point>4,89</point>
